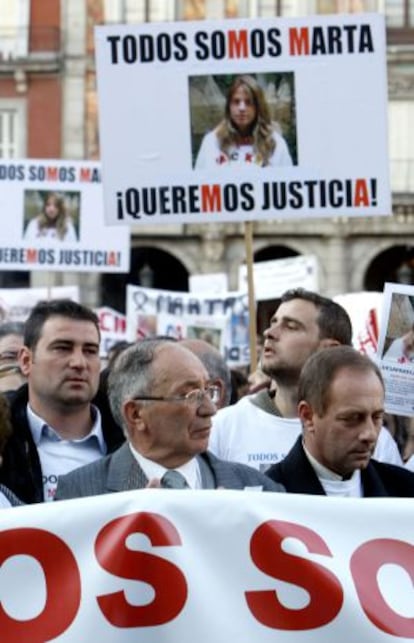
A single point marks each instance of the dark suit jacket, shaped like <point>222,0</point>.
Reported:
<point>121,472</point>
<point>298,476</point>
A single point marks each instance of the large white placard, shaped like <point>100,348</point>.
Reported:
<point>17,303</point>
<point>52,218</point>
<point>151,311</point>
<point>171,566</point>
<point>272,278</point>
<point>162,88</point>
<point>396,348</point>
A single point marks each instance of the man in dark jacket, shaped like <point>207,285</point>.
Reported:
<point>341,400</point>
<point>56,425</point>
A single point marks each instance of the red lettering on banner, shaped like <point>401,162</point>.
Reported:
<point>85,174</point>
<point>63,585</point>
<point>111,322</point>
<point>325,591</point>
<point>361,193</point>
<point>167,580</point>
<point>365,565</point>
<point>210,198</point>
<point>52,174</point>
<point>238,46</point>
<point>31,255</point>
<point>299,41</point>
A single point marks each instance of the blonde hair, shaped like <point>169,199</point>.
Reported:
<point>227,134</point>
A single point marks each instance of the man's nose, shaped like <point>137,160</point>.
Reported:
<point>369,431</point>
<point>272,332</point>
<point>77,358</point>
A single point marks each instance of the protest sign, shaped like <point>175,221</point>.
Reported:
<point>396,348</point>
<point>272,278</point>
<point>148,565</point>
<point>147,306</point>
<point>364,309</point>
<point>210,328</point>
<point>212,282</point>
<point>162,90</point>
<point>112,325</point>
<point>52,214</point>
<point>16,303</point>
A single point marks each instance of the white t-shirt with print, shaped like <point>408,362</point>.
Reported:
<point>245,433</point>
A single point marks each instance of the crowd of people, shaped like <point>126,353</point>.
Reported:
<point>170,413</point>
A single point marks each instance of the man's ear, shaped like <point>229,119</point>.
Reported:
<point>132,414</point>
<point>306,414</point>
<point>25,359</point>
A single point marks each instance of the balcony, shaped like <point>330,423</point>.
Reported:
<point>37,48</point>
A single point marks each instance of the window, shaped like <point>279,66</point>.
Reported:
<point>12,128</point>
<point>399,14</point>
<point>401,115</point>
<point>14,18</point>
<point>200,9</point>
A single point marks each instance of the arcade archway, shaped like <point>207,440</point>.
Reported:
<point>150,268</point>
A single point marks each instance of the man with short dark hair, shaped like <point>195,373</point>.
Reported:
<point>55,426</point>
<point>341,408</point>
<point>260,429</point>
<point>160,393</point>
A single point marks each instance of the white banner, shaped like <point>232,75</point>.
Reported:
<point>52,218</point>
<point>147,306</point>
<point>153,566</point>
<point>396,348</point>
<point>16,303</point>
<point>272,278</point>
<point>364,309</point>
<point>112,325</point>
<point>211,329</point>
<point>162,91</point>
<point>212,282</point>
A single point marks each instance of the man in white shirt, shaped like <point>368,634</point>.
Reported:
<point>261,429</point>
<point>341,409</point>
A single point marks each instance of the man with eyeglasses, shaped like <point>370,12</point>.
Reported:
<point>11,341</point>
<point>160,393</point>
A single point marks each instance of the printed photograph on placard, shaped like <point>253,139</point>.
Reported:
<point>243,119</point>
<point>399,337</point>
<point>51,215</point>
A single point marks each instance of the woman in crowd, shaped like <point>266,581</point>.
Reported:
<point>246,135</point>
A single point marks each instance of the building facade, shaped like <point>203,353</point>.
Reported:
<point>48,109</point>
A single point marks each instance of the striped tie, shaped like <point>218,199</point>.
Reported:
<point>173,480</point>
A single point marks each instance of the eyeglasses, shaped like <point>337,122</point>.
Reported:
<point>196,396</point>
<point>8,356</point>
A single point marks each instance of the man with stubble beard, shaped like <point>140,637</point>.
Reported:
<point>56,426</point>
<point>261,429</point>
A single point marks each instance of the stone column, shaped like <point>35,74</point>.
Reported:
<point>336,266</point>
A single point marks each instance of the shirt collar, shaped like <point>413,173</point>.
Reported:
<point>190,470</point>
<point>40,428</point>
<point>323,472</point>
